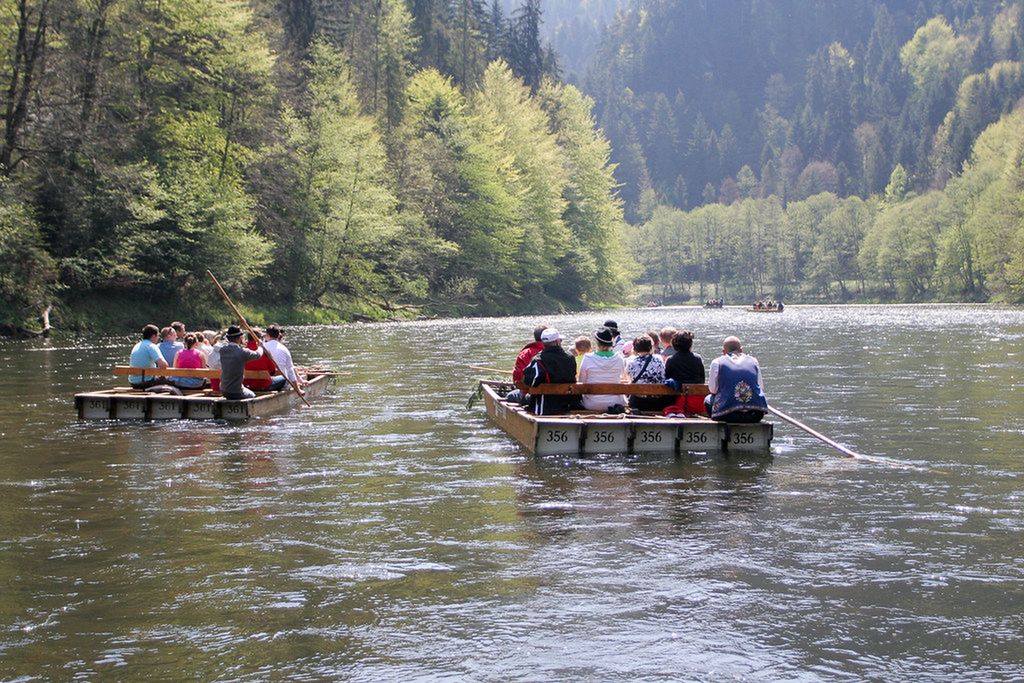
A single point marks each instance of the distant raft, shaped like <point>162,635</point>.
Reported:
<point>586,432</point>
<point>125,403</point>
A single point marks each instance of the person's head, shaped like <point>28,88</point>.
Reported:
<point>551,338</point>
<point>604,339</point>
<point>613,326</point>
<point>655,339</point>
<point>168,334</point>
<point>582,345</point>
<point>150,331</point>
<point>732,345</point>
<point>642,345</point>
<point>255,334</point>
<point>234,334</point>
<point>179,329</point>
<point>274,331</point>
<point>210,336</point>
<point>190,340</point>
<point>682,341</point>
<point>666,335</point>
<point>538,331</point>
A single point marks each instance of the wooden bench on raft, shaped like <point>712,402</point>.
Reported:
<point>207,373</point>
<point>700,390</point>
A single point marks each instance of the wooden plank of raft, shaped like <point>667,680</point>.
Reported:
<point>209,373</point>
<point>627,389</point>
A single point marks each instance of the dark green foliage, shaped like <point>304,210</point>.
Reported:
<point>304,152</point>
<point>861,85</point>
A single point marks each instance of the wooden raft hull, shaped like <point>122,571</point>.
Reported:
<point>585,433</point>
<point>132,404</point>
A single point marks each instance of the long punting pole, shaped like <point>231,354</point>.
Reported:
<point>252,334</point>
<point>494,370</point>
<point>796,423</point>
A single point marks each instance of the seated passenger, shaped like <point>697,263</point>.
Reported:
<point>581,347</point>
<point>618,343</point>
<point>684,367</point>
<point>283,357</point>
<point>737,392</point>
<point>646,367</point>
<point>190,358</point>
<point>526,355</point>
<point>553,365</point>
<point>204,344</point>
<point>264,363</point>
<point>169,345</point>
<point>666,335</point>
<point>655,340</point>
<point>213,357</point>
<point>603,366</point>
<point>146,354</point>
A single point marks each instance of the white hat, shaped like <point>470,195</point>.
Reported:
<point>550,335</point>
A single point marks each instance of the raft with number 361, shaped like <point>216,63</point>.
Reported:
<point>586,432</point>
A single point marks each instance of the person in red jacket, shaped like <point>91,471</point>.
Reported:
<point>522,360</point>
<point>527,353</point>
<point>266,363</point>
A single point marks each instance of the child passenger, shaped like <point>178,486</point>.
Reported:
<point>581,347</point>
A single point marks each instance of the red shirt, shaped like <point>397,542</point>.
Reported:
<point>264,362</point>
<point>524,358</point>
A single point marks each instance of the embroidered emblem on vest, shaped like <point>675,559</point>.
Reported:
<point>743,392</point>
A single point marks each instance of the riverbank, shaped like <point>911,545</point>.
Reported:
<point>117,313</point>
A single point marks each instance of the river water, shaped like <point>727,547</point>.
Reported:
<point>388,533</point>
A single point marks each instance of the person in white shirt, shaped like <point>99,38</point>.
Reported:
<point>603,366</point>
<point>282,356</point>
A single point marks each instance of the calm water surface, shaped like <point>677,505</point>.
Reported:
<point>389,533</point>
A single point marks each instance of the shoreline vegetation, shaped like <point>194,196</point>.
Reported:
<point>118,317</point>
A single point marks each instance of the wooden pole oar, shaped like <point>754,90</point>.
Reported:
<point>796,423</point>
<point>494,370</point>
<point>252,334</point>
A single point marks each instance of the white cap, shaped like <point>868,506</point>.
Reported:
<point>550,335</point>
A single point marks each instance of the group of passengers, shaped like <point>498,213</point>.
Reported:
<point>714,303</point>
<point>768,305</point>
<point>662,357</point>
<point>230,351</point>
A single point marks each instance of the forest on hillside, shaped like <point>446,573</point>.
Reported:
<point>740,112</point>
<point>340,159</point>
<point>336,158</point>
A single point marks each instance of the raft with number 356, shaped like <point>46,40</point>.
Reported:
<point>586,432</point>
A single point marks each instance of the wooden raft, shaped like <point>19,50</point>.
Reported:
<point>125,403</point>
<point>586,432</point>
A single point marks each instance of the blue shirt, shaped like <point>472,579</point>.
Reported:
<point>144,355</point>
<point>170,349</point>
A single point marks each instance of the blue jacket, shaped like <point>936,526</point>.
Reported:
<point>738,386</point>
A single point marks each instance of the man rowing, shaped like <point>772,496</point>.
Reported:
<point>737,391</point>
<point>233,357</point>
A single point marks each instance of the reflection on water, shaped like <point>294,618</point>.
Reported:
<point>387,533</point>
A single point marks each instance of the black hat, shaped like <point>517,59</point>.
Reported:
<point>612,325</point>
<point>604,335</point>
<point>233,332</point>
